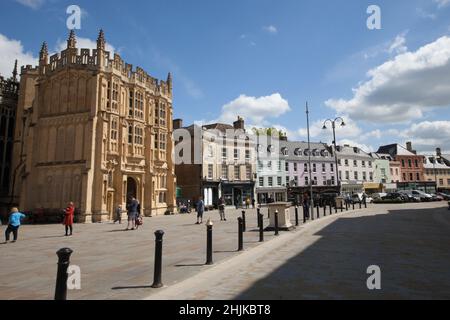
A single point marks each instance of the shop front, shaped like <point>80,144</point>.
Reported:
<point>352,188</point>
<point>371,187</point>
<point>236,194</point>
<point>210,192</point>
<point>268,195</point>
<point>425,186</point>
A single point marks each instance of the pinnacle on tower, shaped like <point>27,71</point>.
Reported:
<point>15,72</point>
<point>169,79</point>
<point>101,43</point>
<point>72,41</point>
<point>44,51</point>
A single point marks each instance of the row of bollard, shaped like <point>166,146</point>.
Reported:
<point>65,253</point>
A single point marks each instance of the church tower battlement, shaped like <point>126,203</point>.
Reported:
<point>97,133</point>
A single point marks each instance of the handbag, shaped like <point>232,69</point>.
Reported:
<point>139,221</point>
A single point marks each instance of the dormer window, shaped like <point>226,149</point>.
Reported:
<point>298,152</point>
<point>284,151</point>
<point>306,153</point>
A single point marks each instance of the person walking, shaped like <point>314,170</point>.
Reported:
<point>14,224</point>
<point>254,203</point>
<point>118,214</point>
<point>200,210</point>
<point>222,210</point>
<point>68,218</point>
<point>132,208</point>
<point>306,204</point>
<point>247,203</point>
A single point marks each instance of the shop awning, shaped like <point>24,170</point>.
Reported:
<point>373,186</point>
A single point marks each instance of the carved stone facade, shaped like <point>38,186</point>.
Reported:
<point>9,92</point>
<point>97,133</point>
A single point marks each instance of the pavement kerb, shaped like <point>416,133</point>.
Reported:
<point>210,272</point>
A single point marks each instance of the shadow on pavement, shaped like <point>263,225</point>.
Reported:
<point>412,248</point>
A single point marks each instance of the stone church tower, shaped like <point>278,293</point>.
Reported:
<point>96,133</point>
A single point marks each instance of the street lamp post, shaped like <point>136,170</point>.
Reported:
<point>333,125</point>
<point>309,166</point>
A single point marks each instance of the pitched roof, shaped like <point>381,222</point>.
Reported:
<point>438,165</point>
<point>297,151</point>
<point>394,150</point>
<point>349,151</point>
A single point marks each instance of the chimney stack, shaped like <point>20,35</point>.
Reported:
<point>409,146</point>
<point>239,124</point>
<point>438,152</point>
<point>177,124</point>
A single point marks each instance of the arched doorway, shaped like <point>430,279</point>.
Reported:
<point>131,189</point>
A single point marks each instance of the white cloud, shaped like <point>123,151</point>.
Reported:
<point>364,147</point>
<point>270,29</point>
<point>316,131</point>
<point>398,46</point>
<point>33,4</point>
<point>442,3</point>
<point>255,109</point>
<point>403,88</point>
<point>426,15</point>
<point>10,50</point>
<point>350,134</point>
<point>428,135</point>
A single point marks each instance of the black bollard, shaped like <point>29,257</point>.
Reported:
<point>61,276</point>
<point>335,207</point>
<point>360,204</point>
<point>365,203</point>
<point>261,228</point>
<point>342,207</point>
<point>353,204</point>
<point>346,206</point>
<point>276,222</point>
<point>304,215</point>
<point>296,216</point>
<point>324,210</point>
<point>268,213</point>
<point>258,213</point>
<point>318,212</point>
<point>158,259</point>
<point>209,249</point>
<point>244,225</point>
<point>331,212</point>
<point>240,235</point>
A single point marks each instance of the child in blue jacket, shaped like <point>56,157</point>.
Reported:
<point>14,224</point>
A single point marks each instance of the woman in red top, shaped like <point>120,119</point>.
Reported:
<point>68,218</point>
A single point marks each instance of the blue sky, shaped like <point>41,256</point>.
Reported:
<point>263,59</point>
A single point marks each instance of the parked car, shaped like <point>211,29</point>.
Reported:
<point>378,196</point>
<point>395,196</point>
<point>437,197</point>
<point>422,195</point>
<point>444,195</point>
<point>410,196</point>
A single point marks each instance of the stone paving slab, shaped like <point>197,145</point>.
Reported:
<point>328,259</point>
<point>116,264</point>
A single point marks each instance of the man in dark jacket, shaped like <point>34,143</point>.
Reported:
<point>132,209</point>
